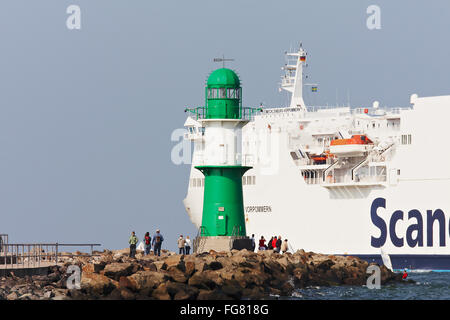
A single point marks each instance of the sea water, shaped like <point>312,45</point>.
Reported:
<point>428,285</point>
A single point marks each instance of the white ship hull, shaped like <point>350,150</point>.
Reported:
<point>393,198</point>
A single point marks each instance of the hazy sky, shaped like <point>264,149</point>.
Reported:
<point>86,115</point>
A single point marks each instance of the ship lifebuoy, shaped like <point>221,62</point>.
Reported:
<point>301,127</point>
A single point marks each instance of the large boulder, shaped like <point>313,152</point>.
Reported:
<point>96,284</point>
<point>207,279</point>
<point>161,292</point>
<point>116,270</point>
<point>175,261</point>
<point>160,265</point>
<point>215,294</point>
<point>146,280</point>
<point>176,274</point>
<point>248,278</point>
<point>189,268</point>
<point>118,254</point>
<point>181,291</point>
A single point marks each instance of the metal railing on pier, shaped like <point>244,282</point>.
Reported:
<point>3,240</point>
<point>34,255</point>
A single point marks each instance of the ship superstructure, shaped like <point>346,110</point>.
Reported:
<point>343,180</point>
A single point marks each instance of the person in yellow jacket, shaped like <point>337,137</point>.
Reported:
<point>132,241</point>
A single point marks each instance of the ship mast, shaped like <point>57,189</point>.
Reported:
<point>292,80</point>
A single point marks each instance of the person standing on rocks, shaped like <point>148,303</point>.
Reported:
<point>284,246</point>
<point>262,245</point>
<point>187,247</point>
<point>181,243</point>
<point>148,243</point>
<point>132,241</point>
<point>274,243</point>
<point>278,245</point>
<point>253,242</point>
<point>157,242</point>
<point>269,244</point>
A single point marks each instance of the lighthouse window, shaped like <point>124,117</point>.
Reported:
<point>224,93</point>
<point>233,94</point>
<point>213,93</point>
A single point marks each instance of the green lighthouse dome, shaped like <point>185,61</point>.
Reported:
<point>223,77</point>
<point>223,95</point>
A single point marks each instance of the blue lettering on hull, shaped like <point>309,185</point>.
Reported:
<point>415,231</point>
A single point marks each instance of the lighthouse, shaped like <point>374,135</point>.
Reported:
<point>223,222</point>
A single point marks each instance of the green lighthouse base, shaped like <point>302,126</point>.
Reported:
<point>223,221</point>
<point>203,244</point>
<point>223,205</point>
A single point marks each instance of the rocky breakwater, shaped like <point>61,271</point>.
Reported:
<point>214,275</point>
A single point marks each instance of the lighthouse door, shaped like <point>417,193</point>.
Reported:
<point>221,225</point>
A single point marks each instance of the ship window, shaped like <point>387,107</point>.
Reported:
<point>194,182</point>
<point>253,179</point>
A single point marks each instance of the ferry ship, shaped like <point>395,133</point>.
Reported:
<point>341,180</point>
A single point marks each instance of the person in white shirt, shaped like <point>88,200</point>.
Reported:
<point>187,245</point>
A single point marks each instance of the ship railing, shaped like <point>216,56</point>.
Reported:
<point>322,108</point>
<point>32,255</point>
<point>370,174</point>
<point>267,111</point>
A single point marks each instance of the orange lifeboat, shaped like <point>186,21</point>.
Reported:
<point>356,146</point>
<point>319,158</point>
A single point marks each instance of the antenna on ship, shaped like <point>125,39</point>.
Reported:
<point>223,59</point>
<point>292,80</point>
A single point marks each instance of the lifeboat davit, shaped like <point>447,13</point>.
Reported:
<point>356,146</point>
